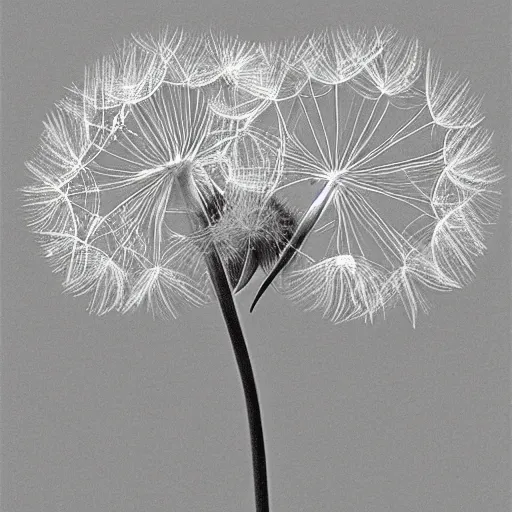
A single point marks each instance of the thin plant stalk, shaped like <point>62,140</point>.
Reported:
<point>200,220</point>
<point>307,223</point>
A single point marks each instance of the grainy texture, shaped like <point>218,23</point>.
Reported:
<point>128,414</point>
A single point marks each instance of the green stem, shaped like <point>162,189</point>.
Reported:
<point>221,285</point>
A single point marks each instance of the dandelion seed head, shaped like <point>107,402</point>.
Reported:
<point>406,173</point>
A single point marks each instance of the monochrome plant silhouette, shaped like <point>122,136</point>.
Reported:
<point>172,170</point>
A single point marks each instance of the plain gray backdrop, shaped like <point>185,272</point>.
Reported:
<point>134,414</point>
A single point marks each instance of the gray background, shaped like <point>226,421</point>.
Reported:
<point>130,414</point>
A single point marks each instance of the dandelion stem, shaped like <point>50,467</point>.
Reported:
<point>200,220</point>
<point>306,225</point>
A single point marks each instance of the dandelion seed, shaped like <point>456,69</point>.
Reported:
<point>337,56</point>
<point>281,75</point>
<point>184,56</point>
<point>238,92</point>
<point>344,287</point>
<point>469,159</point>
<point>417,272</point>
<point>458,235</point>
<point>66,148</point>
<point>126,77</point>
<point>101,277</point>
<point>164,290</point>
<point>394,72</point>
<point>449,99</point>
<point>465,201</point>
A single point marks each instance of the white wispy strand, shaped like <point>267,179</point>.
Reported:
<point>164,291</point>
<point>54,207</point>
<point>344,287</point>
<point>244,86</point>
<point>394,72</point>
<point>185,57</point>
<point>338,55</point>
<point>465,200</point>
<point>172,127</point>
<point>97,274</point>
<point>458,236</point>
<point>469,159</point>
<point>129,75</point>
<point>409,281</point>
<point>255,162</point>
<point>282,75</point>
<point>66,148</point>
<point>274,73</point>
<point>449,98</point>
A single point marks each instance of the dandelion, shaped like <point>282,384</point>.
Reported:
<point>167,175</point>
<point>362,138</point>
<point>144,196</point>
